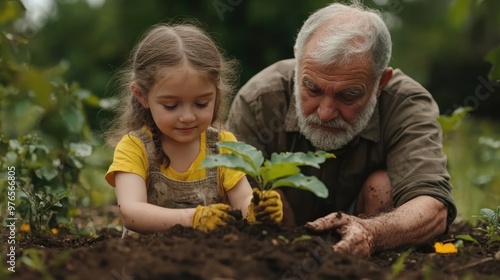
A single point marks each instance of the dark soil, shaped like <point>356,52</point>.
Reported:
<point>241,251</point>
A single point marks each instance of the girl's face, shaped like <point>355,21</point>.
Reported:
<point>181,103</point>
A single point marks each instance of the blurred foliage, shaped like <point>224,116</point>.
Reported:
<point>442,44</point>
<point>490,224</point>
<point>44,132</point>
<point>453,121</point>
<point>494,58</point>
<point>473,152</point>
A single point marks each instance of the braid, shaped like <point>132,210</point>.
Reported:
<point>160,156</point>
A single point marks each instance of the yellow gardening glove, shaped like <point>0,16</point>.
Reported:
<point>269,208</point>
<point>207,218</point>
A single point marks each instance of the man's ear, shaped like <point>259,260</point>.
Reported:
<point>386,77</point>
<point>141,97</point>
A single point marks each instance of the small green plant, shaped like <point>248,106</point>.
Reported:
<point>282,170</point>
<point>43,179</point>
<point>427,269</point>
<point>466,237</point>
<point>490,224</point>
<point>301,238</point>
<point>399,265</point>
<point>35,260</point>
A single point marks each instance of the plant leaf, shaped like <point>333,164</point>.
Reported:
<point>299,158</point>
<point>467,237</point>
<point>452,122</point>
<point>308,183</point>
<point>248,152</point>
<point>46,172</point>
<point>80,149</point>
<point>280,170</point>
<point>399,265</point>
<point>73,118</point>
<point>232,161</point>
<point>302,237</point>
<point>10,10</point>
<point>284,239</point>
<point>493,57</point>
<point>489,214</point>
<point>493,239</point>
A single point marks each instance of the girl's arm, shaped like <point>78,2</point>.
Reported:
<point>240,196</point>
<point>140,216</point>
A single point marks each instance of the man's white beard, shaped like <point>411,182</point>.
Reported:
<point>327,140</point>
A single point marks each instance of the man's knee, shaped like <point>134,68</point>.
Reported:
<point>379,179</point>
<point>376,194</point>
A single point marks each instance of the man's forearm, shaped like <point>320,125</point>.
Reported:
<point>414,222</point>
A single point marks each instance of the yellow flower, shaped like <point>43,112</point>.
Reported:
<point>447,248</point>
<point>25,227</point>
<point>54,231</point>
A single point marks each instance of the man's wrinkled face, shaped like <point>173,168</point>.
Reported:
<point>334,103</point>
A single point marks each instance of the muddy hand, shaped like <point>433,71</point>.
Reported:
<point>269,208</point>
<point>207,218</point>
<point>356,236</point>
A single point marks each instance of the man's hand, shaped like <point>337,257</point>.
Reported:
<point>357,239</point>
<point>269,208</point>
<point>207,218</point>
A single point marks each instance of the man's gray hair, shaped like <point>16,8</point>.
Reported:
<point>354,30</point>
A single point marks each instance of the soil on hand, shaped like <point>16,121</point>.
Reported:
<point>241,251</point>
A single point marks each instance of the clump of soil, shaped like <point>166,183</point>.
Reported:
<point>236,214</point>
<point>242,251</point>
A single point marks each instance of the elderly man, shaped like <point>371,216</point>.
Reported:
<point>388,185</point>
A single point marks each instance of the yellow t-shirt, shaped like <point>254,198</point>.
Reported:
<point>130,156</point>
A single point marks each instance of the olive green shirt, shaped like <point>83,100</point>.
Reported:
<point>402,137</point>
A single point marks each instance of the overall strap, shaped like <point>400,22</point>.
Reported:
<point>149,146</point>
<point>212,139</point>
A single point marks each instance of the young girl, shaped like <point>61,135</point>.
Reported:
<point>172,95</point>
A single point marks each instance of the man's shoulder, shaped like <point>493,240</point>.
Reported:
<point>276,78</point>
<point>402,84</point>
<point>403,96</point>
<point>282,69</point>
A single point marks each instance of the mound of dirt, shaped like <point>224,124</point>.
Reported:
<point>241,251</point>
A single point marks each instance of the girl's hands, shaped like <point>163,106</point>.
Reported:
<point>266,207</point>
<point>207,218</point>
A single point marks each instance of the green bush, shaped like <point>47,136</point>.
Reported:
<point>44,132</point>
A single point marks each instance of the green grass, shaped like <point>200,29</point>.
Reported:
<point>474,166</point>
